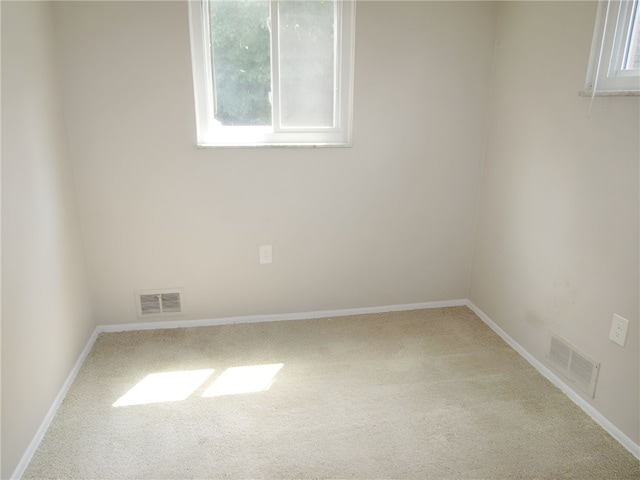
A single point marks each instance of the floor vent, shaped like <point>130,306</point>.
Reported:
<point>575,366</point>
<point>156,303</point>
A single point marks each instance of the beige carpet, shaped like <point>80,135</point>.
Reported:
<point>419,394</point>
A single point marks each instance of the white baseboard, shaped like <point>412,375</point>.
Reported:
<point>31,449</point>
<point>278,317</point>
<point>600,419</point>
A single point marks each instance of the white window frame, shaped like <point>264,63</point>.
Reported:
<point>209,132</point>
<point>605,75</point>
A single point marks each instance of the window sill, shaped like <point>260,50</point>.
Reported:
<point>610,93</point>
<point>205,146</point>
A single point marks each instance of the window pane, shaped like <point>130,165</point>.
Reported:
<point>241,51</point>
<point>307,59</point>
<point>632,59</point>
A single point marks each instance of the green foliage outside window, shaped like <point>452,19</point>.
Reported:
<point>241,41</point>
<point>242,61</point>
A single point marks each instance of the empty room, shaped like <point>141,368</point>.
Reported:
<point>320,239</point>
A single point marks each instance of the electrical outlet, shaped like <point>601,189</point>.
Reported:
<point>619,328</point>
<point>266,254</point>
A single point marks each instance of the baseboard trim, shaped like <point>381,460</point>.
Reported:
<point>600,419</point>
<point>278,317</point>
<point>44,426</point>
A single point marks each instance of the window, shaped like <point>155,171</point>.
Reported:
<point>272,72</point>
<point>614,66</point>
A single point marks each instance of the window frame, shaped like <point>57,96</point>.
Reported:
<point>209,132</point>
<point>605,75</point>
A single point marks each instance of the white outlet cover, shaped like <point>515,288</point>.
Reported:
<point>619,328</point>
<point>266,254</point>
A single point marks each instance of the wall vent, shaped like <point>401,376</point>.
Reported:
<point>575,366</point>
<point>157,303</point>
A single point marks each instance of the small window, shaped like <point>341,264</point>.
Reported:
<point>272,72</point>
<point>614,65</point>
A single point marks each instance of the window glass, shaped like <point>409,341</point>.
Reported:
<point>241,58</point>
<point>632,53</point>
<point>307,59</point>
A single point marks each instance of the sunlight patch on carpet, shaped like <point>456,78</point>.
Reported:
<point>164,387</point>
<point>239,380</point>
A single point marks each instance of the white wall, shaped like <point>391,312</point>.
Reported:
<point>45,312</point>
<point>557,241</point>
<point>389,221</point>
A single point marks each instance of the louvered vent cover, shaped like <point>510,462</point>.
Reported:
<point>159,302</point>
<point>575,366</point>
